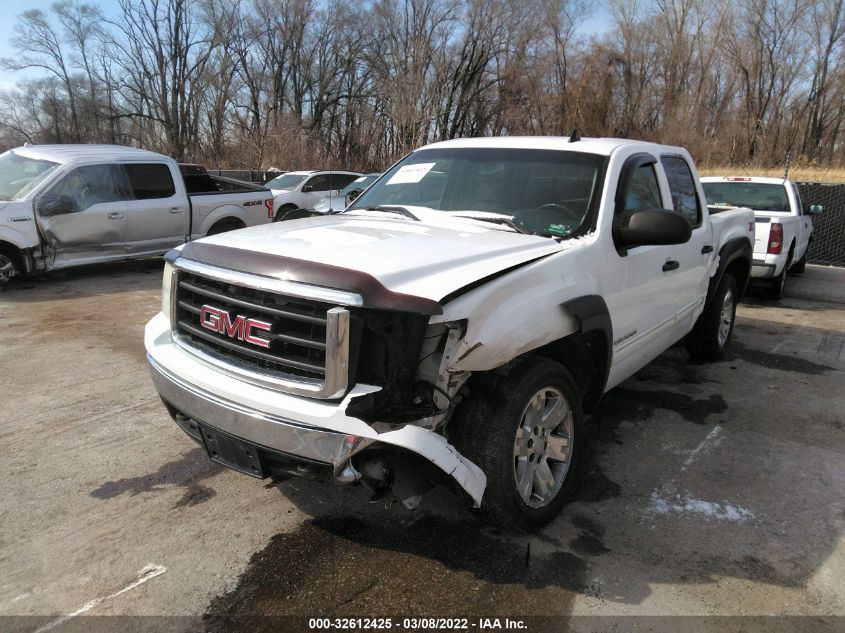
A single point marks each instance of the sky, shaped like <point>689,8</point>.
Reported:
<point>13,8</point>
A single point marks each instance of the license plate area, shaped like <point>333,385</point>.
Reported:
<point>231,452</point>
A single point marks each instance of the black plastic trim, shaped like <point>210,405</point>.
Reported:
<point>737,248</point>
<point>629,168</point>
<point>593,316</point>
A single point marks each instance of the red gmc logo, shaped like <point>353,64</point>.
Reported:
<point>240,327</point>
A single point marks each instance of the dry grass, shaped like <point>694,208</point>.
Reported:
<point>796,172</point>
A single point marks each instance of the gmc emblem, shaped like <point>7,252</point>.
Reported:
<point>241,328</point>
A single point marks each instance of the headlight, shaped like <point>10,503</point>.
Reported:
<point>166,289</point>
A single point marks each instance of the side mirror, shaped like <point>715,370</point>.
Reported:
<point>308,189</point>
<point>653,227</point>
<point>816,209</point>
<point>47,206</point>
<point>351,195</point>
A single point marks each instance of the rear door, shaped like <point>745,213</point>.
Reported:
<point>688,282</point>
<point>158,216</point>
<point>83,216</point>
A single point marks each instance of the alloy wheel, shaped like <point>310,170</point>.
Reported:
<point>543,448</point>
<point>726,317</point>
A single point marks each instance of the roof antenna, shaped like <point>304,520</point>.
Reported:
<point>575,136</point>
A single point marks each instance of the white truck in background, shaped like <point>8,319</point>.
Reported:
<point>454,323</point>
<point>296,190</point>
<point>783,227</point>
<point>69,205</point>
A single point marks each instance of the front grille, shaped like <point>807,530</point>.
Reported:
<point>298,341</point>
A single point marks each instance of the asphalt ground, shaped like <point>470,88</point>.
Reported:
<point>712,490</point>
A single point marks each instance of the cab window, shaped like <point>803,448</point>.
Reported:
<point>340,181</point>
<point>682,188</point>
<point>644,192</point>
<point>92,184</point>
<point>150,180</point>
<point>318,183</point>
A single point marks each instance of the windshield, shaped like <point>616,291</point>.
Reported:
<point>754,195</point>
<point>19,175</point>
<point>360,183</point>
<point>286,181</point>
<point>546,192</point>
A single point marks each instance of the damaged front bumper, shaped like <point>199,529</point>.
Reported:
<point>311,433</point>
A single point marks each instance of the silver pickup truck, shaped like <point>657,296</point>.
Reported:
<point>68,205</point>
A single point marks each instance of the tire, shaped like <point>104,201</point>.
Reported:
<point>710,337</point>
<point>800,266</point>
<point>223,227</point>
<point>297,214</point>
<point>9,267</point>
<point>495,429</point>
<point>778,284</point>
<point>283,211</point>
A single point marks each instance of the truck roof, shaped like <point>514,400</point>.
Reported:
<point>69,153</point>
<point>603,146</point>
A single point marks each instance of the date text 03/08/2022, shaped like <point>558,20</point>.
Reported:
<point>412,624</point>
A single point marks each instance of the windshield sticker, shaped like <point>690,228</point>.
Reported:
<point>559,229</point>
<point>410,174</point>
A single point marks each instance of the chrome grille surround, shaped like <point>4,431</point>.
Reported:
<point>325,378</point>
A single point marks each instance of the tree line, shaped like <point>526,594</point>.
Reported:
<point>316,83</point>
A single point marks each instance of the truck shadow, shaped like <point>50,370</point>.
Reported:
<point>687,480</point>
<point>85,281</point>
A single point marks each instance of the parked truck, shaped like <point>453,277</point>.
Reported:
<point>784,228</point>
<point>454,324</point>
<point>67,205</point>
<point>296,190</point>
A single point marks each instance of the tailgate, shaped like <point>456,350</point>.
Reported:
<point>761,235</point>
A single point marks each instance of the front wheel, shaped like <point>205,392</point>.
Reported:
<point>7,268</point>
<point>522,430</point>
<point>712,332</point>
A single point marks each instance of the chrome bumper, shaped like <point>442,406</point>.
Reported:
<point>760,269</point>
<point>274,433</point>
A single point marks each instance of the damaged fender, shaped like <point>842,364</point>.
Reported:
<point>499,325</point>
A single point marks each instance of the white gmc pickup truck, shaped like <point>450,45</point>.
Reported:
<point>454,324</point>
<point>783,227</point>
<point>68,205</point>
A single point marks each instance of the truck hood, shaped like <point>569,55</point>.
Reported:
<point>422,259</point>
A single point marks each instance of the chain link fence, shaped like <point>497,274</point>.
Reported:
<point>828,245</point>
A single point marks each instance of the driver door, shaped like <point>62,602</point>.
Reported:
<point>83,216</point>
<point>317,188</point>
<point>642,303</point>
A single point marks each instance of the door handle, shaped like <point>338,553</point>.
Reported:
<point>707,248</point>
<point>176,209</point>
<point>116,215</point>
<point>671,265</point>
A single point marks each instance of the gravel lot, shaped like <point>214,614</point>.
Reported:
<point>714,489</point>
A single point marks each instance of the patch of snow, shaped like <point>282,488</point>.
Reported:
<point>686,505</point>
